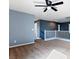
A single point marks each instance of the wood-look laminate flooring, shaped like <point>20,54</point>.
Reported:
<point>39,50</point>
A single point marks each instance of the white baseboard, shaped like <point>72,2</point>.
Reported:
<point>45,40</point>
<point>57,39</point>
<point>50,39</point>
<point>67,40</point>
<point>21,44</point>
<point>38,38</point>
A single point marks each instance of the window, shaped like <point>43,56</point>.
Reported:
<point>58,27</point>
<point>69,27</point>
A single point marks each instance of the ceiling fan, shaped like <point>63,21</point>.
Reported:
<point>49,4</point>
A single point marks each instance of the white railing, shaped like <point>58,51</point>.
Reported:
<point>49,34</point>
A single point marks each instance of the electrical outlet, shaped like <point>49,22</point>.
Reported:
<point>14,41</point>
<point>32,29</point>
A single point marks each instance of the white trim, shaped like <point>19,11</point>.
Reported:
<point>47,39</point>
<point>64,39</point>
<point>38,38</point>
<point>57,38</point>
<point>67,40</point>
<point>21,44</point>
<point>58,27</point>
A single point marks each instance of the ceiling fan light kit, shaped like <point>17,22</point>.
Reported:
<point>49,5</point>
<point>48,8</point>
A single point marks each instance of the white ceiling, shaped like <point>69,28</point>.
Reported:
<point>28,6</point>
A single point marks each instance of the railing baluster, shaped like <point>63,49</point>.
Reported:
<point>56,34</point>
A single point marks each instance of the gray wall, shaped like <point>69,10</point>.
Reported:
<point>20,28</point>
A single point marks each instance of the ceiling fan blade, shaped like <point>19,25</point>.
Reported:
<point>45,10</point>
<point>58,3</point>
<point>54,9</point>
<point>40,6</point>
<point>47,2</point>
